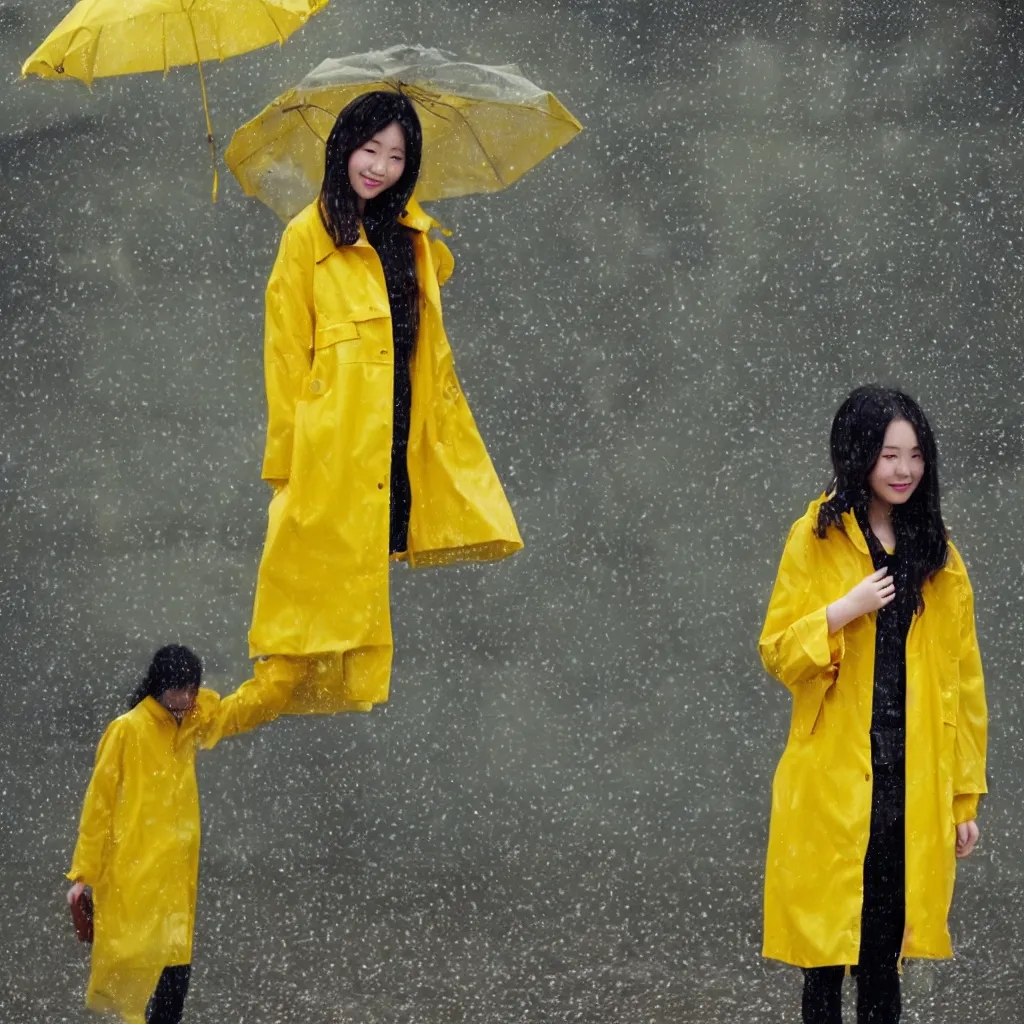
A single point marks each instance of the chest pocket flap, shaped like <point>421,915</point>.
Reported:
<point>332,334</point>
<point>364,337</point>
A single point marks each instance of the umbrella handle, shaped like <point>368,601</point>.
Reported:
<point>206,111</point>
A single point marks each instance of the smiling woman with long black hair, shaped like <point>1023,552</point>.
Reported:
<point>871,628</point>
<point>371,449</point>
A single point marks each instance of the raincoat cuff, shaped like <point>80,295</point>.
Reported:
<point>965,807</point>
<point>275,470</point>
<point>836,643</point>
<point>821,647</point>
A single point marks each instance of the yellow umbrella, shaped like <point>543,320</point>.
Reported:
<point>99,38</point>
<point>483,127</point>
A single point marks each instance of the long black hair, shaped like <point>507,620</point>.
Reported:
<point>363,118</point>
<point>858,432</point>
<point>173,667</point>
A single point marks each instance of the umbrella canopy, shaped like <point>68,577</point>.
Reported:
<point>483,127</point>
<point>100,38</point>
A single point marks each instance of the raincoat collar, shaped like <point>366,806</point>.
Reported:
<point>164,718</point>
<point>158,712</point>
<point>414,216</point>
<point>855,533</point>
<point>850,524</point>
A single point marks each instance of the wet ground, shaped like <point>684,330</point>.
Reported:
<point>561,816</point>
<point>576,938</point>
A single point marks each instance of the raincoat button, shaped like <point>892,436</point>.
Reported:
<point>380,487</point>
<point>867,777</point>
<point>316,386</point>
<point>383,351</point>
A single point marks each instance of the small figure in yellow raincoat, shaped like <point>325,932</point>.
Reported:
<point>871,628</point>
<point>138,842</point>
<point>371,449</point>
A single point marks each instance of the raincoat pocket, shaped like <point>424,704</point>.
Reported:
<point>326,337</point>
<point>950,704</point>
<point>809,703</point>
<point>366,338</point>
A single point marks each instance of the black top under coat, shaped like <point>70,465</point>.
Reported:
<point>403,341</point>
<point>892,623</point>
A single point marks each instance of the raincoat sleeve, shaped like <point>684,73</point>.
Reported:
<point>288,346</point>
<point>444,262</point>
<point>96,826</point>
<point>972,713</point>
<point>257,701</point>
<point>796,646</point>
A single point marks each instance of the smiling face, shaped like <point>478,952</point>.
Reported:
<point>900,466</point>
<point>378,163</point>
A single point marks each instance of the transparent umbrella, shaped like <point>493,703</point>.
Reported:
<point>484,127</point>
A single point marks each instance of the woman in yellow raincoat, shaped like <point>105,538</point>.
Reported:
<point>871,628</point>
<point>138,842</point>
<point>371,448</point>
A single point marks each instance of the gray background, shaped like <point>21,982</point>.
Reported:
<point>562,813</point>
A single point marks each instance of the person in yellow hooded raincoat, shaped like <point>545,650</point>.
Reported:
<point>871,628</point>
<point>371,447</point>
<point>138,841</point>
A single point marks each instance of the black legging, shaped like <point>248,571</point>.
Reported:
<point>882,918</point>
<point>168,1002</point>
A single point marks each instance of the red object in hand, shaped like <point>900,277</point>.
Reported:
<point>81,914</point>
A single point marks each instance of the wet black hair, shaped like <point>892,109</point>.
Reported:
<point>338,204</point>
<point>858,431</point>
<point>173,667</point>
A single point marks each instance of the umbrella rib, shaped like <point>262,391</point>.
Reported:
<point>83,28</point>
<point>252,154</point>
<point>424,98</point>
<point>297,109</point>
<point>266,11</point>
<point>416,93</point>
<point>494,166</point>
<point>96,44</point>
<point>301,112</point>
<point>472,131</point>
<point>67,47</point>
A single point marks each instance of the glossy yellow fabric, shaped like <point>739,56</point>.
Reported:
<point>138,841</point>
<point>98,38</point>
<point>322,589</point>
<point>821,798</point>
